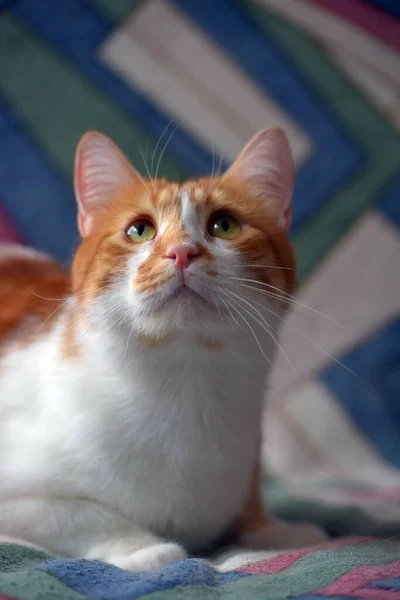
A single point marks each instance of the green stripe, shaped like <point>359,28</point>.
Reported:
<point>312,572</point>
<point>57,104</point>
<point>116,11</point>
<point>19,580</point>
<point>365,123</point>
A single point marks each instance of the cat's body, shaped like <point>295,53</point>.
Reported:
<point>130,420</point>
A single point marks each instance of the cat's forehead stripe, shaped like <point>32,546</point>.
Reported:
<point>189,213</point>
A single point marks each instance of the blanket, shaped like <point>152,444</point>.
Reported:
<point>347,568</point>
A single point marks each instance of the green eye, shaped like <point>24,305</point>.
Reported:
<point>225,227</point>
<point>140,231</point>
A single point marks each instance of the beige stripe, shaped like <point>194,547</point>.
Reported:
<point>384,92</point>
<point>320,415</point>
<point>331,28</point>
<point>161,52</point>
<point>355,286</point>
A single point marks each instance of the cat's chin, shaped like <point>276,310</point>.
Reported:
<point>182,311</point>
<point>184,300</point>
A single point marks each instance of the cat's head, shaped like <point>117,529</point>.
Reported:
<point>160,257</point>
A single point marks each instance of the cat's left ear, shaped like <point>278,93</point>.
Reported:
<point>101,171</point>
<point>265,168</point>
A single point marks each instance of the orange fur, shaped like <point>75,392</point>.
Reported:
<point>152,342</point>
<point>210,344</point>
<point>102,254</point>
<point>30,287</point>
<point>253,517</point>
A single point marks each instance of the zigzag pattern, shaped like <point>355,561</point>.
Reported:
<point>328,71</point>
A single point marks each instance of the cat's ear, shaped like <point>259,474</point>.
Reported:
<point>265,167</point>
<point>101,170</point>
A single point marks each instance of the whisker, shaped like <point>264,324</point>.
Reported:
<point>160,139</point>
<point>221,160</point>
<point>218,307</point>
<point>213,163</point>
<point>294,328</point>
<point>287,298</point>
<point>255,266</point>
<point>163,150</point>
<point>142,180</point>
<point>50,316</point>
<point>250,328</point>
<point>267,328</point>
<point>230,314</point>
<point>146,166</point>
<point>216,174</point>
<point>110,285</point>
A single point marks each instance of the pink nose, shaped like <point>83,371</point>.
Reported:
<point>182,254</point>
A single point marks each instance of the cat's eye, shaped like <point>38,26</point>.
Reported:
<point>224,226</point>
<point>141,230</point>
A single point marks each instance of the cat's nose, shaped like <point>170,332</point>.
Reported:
<point>182,254</point>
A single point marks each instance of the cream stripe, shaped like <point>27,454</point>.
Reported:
<point>328,27</point>
<point>161,52</point>
<point>354,286</point>
<point>320,415</point>
<point>384,92</point>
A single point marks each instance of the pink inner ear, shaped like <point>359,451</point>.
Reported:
<point>101,170</point>
<point>265,165</point>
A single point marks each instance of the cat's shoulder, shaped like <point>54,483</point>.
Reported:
<point>32,284</point>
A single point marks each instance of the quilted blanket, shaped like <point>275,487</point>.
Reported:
<point>347,568</point>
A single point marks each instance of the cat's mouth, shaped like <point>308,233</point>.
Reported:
<point>183,293</point>
<point>184,297</point>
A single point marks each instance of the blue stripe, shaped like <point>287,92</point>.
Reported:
<point>390,204</point>
<point>37,197</point>
<point>392,583</point>
<point>78,31</point>
<point>390,6</point>
<point>336,155</point>
<point>6,4</point>
<point>371,397</point>
<point>99,580</point>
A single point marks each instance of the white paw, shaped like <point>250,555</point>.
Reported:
<point>281,535</point>
<point>151,558</point>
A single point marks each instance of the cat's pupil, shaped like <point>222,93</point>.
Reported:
<point>225,224</point>
<point>140,228</point>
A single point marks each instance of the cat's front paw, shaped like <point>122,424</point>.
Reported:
<point>151,558</point>
<point>280,535</point>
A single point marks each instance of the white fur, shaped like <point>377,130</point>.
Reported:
<point>128,453</point>
<point>189,217</point>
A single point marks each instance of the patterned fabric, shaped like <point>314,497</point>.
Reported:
<point>181,85</point>
<point>350,568</point>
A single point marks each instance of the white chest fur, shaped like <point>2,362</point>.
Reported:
<point>169,440</point>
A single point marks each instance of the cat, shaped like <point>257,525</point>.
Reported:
<point>132,388</point>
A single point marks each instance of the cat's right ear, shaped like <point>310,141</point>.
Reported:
<point>101,170</point>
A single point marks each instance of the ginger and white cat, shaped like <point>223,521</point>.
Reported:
<point>131,390</point>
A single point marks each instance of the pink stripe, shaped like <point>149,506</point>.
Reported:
<point>372,494</point>
<point>359,578</point>
<point>375,594</point>
<point>376,22</point>
<point>284,561</point>
<point>7,231</point>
